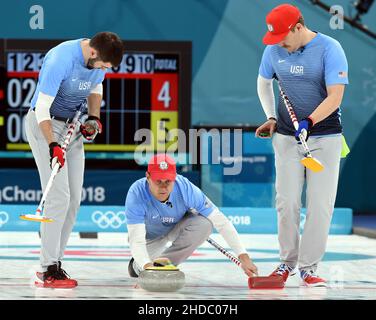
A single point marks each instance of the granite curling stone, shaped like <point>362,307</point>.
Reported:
<point>161,279</point>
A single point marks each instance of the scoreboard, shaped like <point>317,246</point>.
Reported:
<point>151,89</point>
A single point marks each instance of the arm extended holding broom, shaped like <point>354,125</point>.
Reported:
<point>228,232</point>
<point>38,216</point>
<point>255,282</point>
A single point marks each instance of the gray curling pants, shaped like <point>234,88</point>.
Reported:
<point>186,237</point>
<point>63,200</point>
<point>321,192</point>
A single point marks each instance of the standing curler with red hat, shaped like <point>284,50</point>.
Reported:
<point>311,70</point>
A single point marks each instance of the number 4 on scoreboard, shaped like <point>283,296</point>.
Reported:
<point>164,94</point>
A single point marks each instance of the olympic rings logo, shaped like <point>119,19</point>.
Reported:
<point>108,219</point>
<point>4,218</point>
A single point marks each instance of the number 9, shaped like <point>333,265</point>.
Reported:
<point>130,63</point>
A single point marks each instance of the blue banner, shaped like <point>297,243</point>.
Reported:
<point>112,219</point>
<point>101,187</point>
<point>238,180</point>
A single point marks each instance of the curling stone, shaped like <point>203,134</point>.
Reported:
<point>161,279</point>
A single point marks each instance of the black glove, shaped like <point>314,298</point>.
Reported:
<point>91,127</point>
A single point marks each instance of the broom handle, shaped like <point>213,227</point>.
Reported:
<point>293,118</point>
<point>56,167</point>
<point>289,108</point>
<point>224,251</point>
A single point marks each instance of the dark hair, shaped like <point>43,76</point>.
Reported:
<point>109,46</point>
<point>301,21</point>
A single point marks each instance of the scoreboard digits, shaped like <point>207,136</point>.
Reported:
<point>147,90</point>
